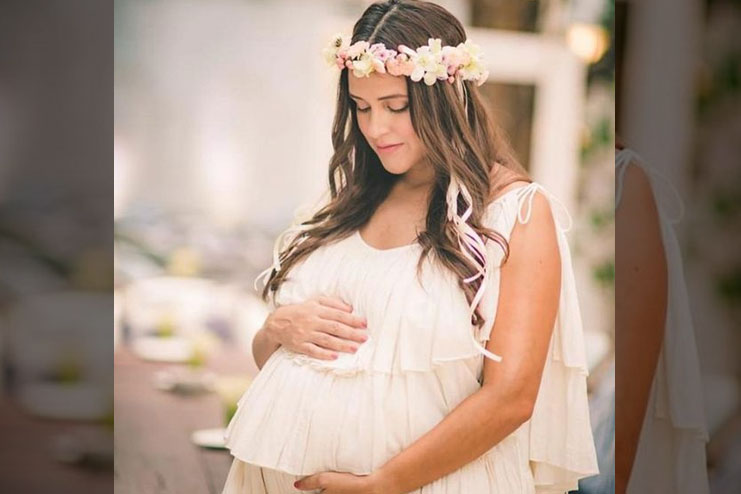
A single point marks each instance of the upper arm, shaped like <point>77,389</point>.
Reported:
<point>529,294</point>
<point>640,308</point>
<point>641,276</point>
<point>639,249</point>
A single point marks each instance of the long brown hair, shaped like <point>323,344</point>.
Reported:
<point>460,138</point>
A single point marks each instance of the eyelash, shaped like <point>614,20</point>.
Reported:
<point>365,110</point>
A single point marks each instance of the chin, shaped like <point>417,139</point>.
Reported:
<point>396,168</point>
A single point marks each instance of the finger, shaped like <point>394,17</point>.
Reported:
<point>307,483</point>
<point>342,331</point>
<point>335,303</point>
<point>316,351</point>
<point>344,317</point>
<point>330,342</point>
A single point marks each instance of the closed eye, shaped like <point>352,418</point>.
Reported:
<point>393,110</point>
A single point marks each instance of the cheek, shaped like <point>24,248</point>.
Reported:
<point>361,125</point>
<point>406,130</point>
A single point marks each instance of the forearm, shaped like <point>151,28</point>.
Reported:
<point>263,347</point>
<point>641,345</point>
<point>475,426</point>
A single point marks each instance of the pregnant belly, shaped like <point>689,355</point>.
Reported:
<point>303,419</point>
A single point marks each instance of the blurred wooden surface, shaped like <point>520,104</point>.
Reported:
<point>153,451</point>
<point>27,463</point>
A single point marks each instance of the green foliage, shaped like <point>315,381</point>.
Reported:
<point>726,205</point>
<point>604,273</point>
<point>729,286</point>
<point>600,219</point>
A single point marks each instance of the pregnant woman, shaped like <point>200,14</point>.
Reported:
<point>425,334</point>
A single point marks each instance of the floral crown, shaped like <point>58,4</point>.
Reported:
<point>430,63</point>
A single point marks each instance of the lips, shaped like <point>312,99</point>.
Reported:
<point>388,147</point>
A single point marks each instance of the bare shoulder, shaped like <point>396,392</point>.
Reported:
<point>637,220</point>
<point>637,193</point>
<point>504,180</point>
<point>539,227</point>
<point>509,187</point>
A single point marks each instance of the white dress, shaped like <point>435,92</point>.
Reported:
<point>302,415</point>
<point>670,458</point>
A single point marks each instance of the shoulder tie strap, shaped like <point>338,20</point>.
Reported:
<point>525,197</point>
<point>626,156</point>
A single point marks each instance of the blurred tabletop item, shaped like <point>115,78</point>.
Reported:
<point>154,451</point>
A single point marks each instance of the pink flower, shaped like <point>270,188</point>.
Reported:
<point>407,67</point>
<point>357,49</point>
<point>393,66</point>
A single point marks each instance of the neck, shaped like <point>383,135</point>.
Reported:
<point>420,176</point>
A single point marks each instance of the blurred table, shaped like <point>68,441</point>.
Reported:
<point>27,464</point>
<point>153,450</point>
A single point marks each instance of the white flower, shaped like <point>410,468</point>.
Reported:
<point>454,57</point>
<point>474,69</point>
<point>435,45</point>
<point>338,42</point>
<point>440,71</point>
<point>363,66</point>
<point>426,60</point>
<point>417,74</point>
<point>471,48</point>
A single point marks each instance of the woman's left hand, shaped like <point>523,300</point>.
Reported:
<point>341,483</point>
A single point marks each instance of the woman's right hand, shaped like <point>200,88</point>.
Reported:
<point>319,327</point>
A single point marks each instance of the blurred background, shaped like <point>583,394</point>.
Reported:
<point>223,111</point>
<point>679,106</point>
<point>56,244</point>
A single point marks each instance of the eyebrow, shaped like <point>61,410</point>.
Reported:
<point>390,96</point>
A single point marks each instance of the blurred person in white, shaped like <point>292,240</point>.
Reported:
<point>425,333</point>
<point>661,430</point>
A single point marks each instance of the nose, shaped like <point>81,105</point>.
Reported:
<point>378,125</point>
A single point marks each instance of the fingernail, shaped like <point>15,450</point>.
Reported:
<point>334,356</point>
<point>297,484</point>
<point>364,338</point>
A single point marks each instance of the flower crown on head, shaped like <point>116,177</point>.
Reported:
<point>430,63</point>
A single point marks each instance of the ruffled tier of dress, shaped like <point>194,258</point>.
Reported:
<point>503,470</point>
<point>303,420</point>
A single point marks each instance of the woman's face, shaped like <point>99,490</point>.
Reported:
<point>382,106</point>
